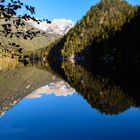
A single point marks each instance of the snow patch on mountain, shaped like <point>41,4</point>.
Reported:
<point>57,26</point>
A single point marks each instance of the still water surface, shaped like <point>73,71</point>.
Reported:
<point>39,105</point>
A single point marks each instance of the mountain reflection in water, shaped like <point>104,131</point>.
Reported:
<point>18,83</point>
<point>59,88</point>
<point>68,101</point>
<point>100,92</point>
<point>29,82</point>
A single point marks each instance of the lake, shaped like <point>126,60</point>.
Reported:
<point>68,102</point>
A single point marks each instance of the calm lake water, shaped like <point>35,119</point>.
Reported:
<point>74,104</point>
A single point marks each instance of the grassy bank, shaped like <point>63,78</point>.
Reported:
<point>7,62</point>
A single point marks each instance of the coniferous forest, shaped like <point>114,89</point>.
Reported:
<point>109,31</point>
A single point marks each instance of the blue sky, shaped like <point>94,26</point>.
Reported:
<point>68,9</point>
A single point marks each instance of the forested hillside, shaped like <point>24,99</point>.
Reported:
<point>110,27</point>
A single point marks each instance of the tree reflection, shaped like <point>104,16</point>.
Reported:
<point>109,90</point>
<point>106,90</point>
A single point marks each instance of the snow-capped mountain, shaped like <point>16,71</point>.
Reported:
<point>60,26</point>
<point>57,26</point>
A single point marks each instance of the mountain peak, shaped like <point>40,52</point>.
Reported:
<point>57,26</point>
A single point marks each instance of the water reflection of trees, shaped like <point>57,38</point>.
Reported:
<point>110,94</point>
